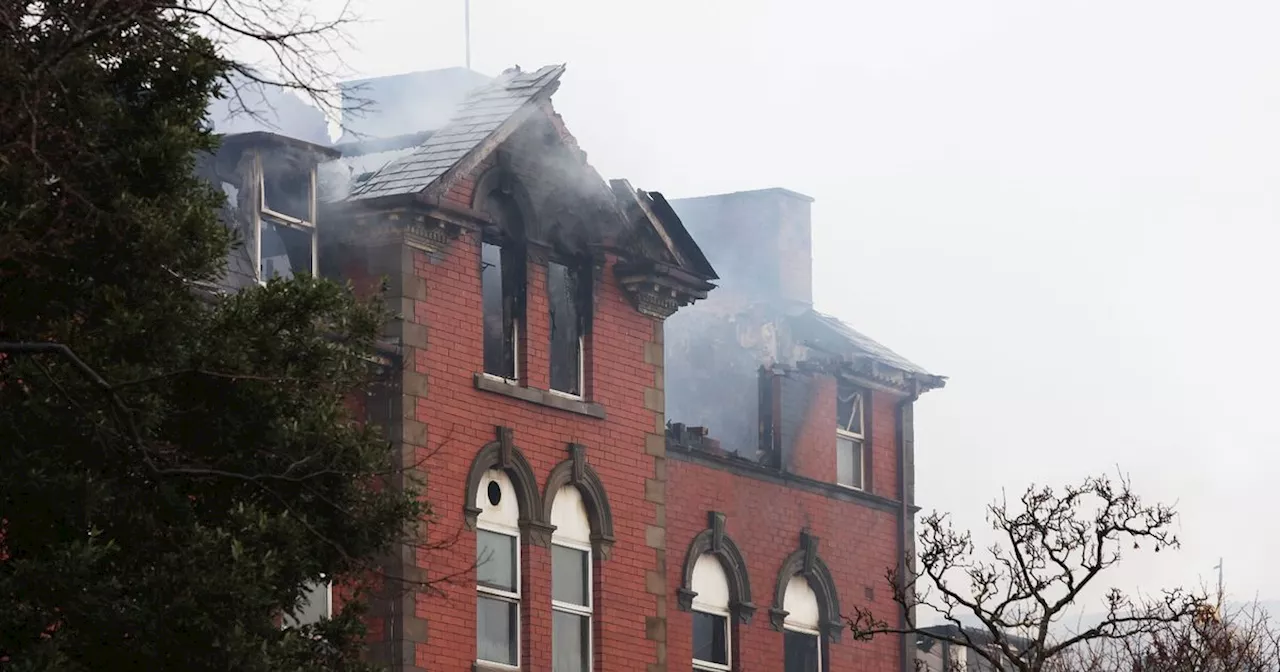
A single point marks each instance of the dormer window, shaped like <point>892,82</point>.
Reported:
<point>568,294</point>
<point>850,435</point>
<point>285,232</point>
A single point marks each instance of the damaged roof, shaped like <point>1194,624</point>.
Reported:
<point>666,224</point>
<point>824,332</point>
<point>483,114</point>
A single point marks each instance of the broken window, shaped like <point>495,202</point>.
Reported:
<point>502,285</point>
<point>567,289</point>
<point>850,434</point>
<point>285,250</point>
<point>286,232</point>
<point>287,189</point>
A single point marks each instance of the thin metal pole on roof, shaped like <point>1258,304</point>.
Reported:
<point>466,12</point>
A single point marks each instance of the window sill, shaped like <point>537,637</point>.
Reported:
<point>492,667</point>
<point>535,396</point>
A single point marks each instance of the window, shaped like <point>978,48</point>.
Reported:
<point>570,583</point>
<point>501,328</point>
<point>802,643</point>
<point>850,460</point>
<point>502,282</point>
<point>566,288</point>
<point>285,231</point>
<point>316,604</point>
<point>711,635</point>
<point>497,571</point>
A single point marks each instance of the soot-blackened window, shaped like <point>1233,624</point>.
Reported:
<point>568,289</point>
<point>502,282</point>
<point>285,232</point>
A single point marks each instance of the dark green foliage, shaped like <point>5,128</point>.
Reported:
<point>164,523</point>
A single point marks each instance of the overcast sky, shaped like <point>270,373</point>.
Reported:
<point>1066,207</point>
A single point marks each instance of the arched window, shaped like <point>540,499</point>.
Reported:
<point>497,570</point>
<point>712,644</point>
<point>802,627</point>
<point>570,582</point>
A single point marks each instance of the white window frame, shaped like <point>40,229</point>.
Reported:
<point>515,358</point>
<point>861,438</point>
<point>292,222</point>
<point>577,609</point>
<point>728,639</point>
<point>806,631</point>
<point>582,374</point>
<point>494,593</point>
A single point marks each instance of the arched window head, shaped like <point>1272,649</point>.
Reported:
<point>711,584</point>
<point>801,605</point>
<point>802,643</point>
<point>712,632</point>
<point>571,597</point>
<point>569,515</point>
<point>497,502</point>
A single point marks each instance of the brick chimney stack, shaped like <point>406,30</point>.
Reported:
<point>758,241</point>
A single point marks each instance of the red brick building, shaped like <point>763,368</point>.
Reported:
<point>529,390</point>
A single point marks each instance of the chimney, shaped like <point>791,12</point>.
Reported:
<point>758,241</point>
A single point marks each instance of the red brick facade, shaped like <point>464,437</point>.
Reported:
<point>451,423</point>
<point>764,516</point>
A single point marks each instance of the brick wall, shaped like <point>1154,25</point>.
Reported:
<point>625,377</point>
<point>810,435</point>
<point>764,519</point>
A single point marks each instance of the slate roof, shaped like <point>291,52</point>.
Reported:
<point>481,115</point>
<point>829,333</point>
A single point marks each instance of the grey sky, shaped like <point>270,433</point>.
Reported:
<point>1066,207</point>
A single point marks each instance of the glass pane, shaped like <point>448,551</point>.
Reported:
<point>562,290</point>
<point>801,652</point>
<point>571,636</point>
<point>710,640</point>
<point>569,575</point>
<point>496,560</point>
<point>848,461</point>
<point>285,250</point>
<point>496,342</point>
<point>496,631</point>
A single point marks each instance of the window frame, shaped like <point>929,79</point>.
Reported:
<point>699,664</point>
<point>587,611</point>
<point>860,438</point>
<point>817,636</point>
<point>307,226</point>
<point>582,374</point>
<point>504,249</point>
<point>583,276</point>
<point>505,596</point>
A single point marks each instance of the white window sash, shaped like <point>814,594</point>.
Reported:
<point>862,459</point>
<point>728,639</point>
<point>506,596</point>
<point>813,633</point>
<point>587,610</point>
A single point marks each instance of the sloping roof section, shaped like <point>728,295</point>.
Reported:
<point>678,246</point>
<point>829,334</point>
<point>492,110</point>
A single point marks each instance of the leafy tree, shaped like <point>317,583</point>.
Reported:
<point>174,471</point>
<point>1009,605</point>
